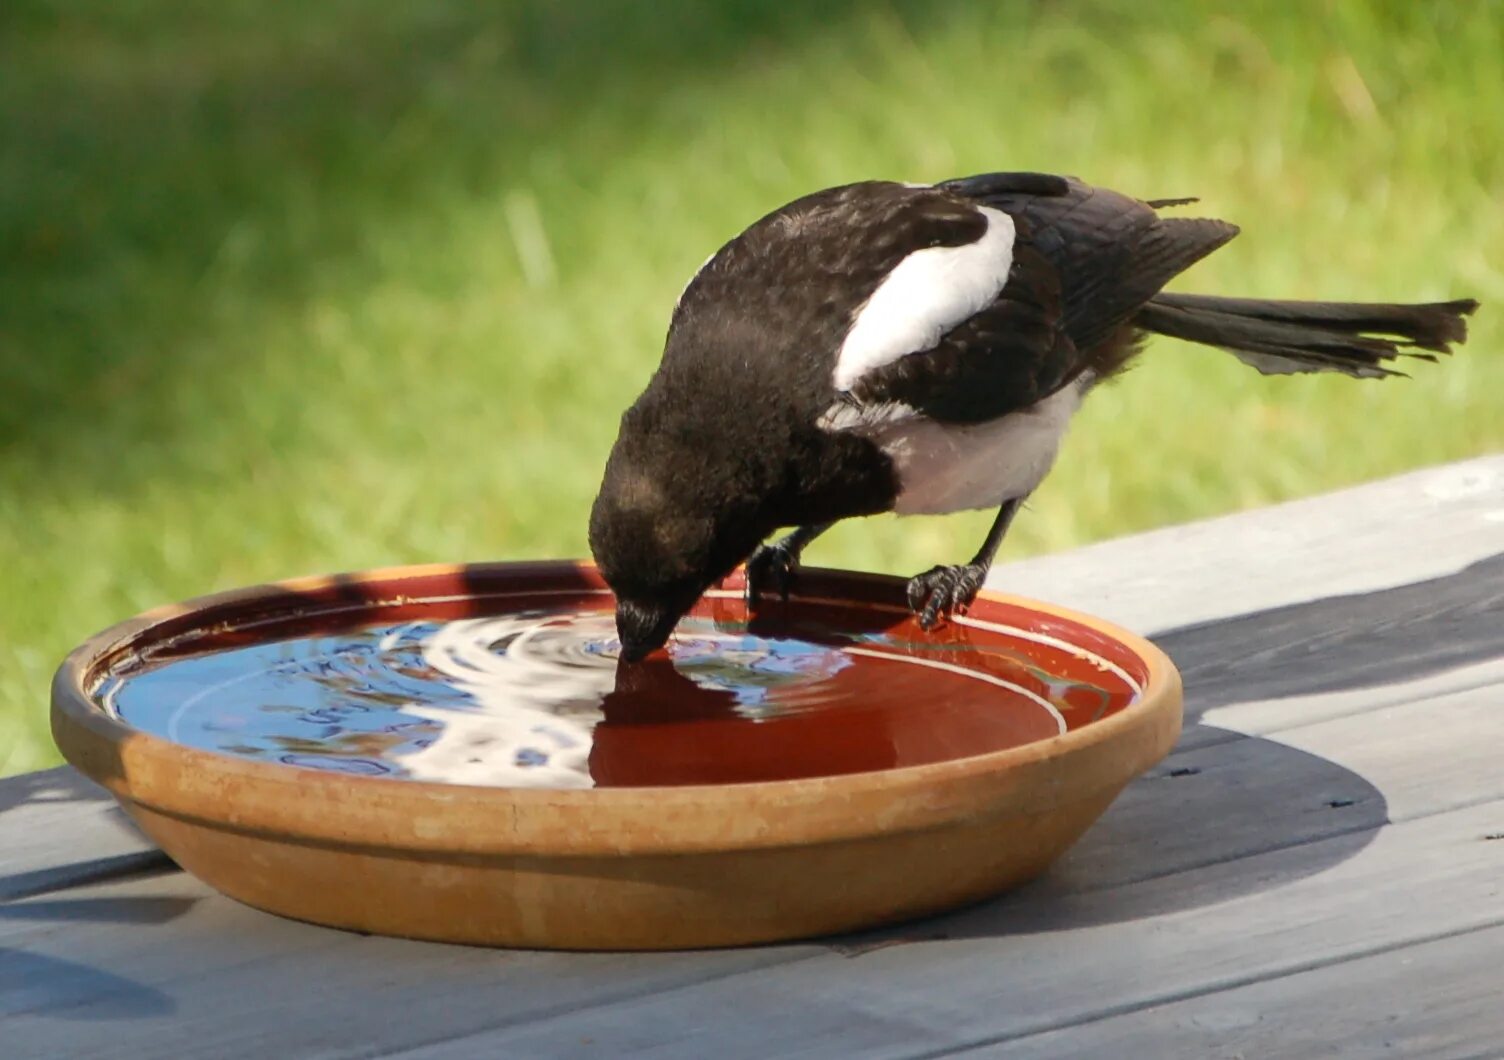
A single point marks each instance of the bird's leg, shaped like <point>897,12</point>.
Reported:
<point>942,590</point>
<point>772,566</point>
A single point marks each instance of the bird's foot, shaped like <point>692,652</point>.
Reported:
<point>942,591</point>
<point>771,568</point>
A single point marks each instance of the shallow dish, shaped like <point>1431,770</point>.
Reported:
<point>822,767</point>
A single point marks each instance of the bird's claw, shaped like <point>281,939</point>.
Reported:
<point>943,591</point>
<point>771,567</point>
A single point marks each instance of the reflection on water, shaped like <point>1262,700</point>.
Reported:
<point>538,699</point>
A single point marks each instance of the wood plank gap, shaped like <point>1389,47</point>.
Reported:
<point>60,878</point>
<point>1324,837</point>
<point>1217,987</point>
<point>1485,684</point>
<point>625,997</point>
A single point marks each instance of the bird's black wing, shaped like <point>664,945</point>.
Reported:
<point>1085,260</point>
<point>777,301</point>
<point>1112,253</point>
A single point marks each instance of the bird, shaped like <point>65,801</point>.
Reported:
<point>918,348</point>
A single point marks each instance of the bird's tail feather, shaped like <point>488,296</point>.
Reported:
<point>1278,337</point>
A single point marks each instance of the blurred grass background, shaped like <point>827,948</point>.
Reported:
<point>288,288</point>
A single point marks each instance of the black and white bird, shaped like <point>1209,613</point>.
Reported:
<point>887,347</point>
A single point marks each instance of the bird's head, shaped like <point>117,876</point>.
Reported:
<point>667,524</point>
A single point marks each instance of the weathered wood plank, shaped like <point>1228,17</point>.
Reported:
<point>1025,967</point>
<point>1439,752</point>
<point>1266,716</point>
<point>1436,999</point>
<point>58,829</point>
<point>185,965</point>
<point>1360,642</point>
<point>1416,527</point>
<point>1340,777</point>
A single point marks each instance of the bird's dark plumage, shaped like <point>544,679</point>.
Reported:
<point>882,346</point>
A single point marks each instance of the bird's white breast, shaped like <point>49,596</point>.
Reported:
<point>953,467</point>
<point>927,294</point>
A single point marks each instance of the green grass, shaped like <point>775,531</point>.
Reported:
<point>294,288</point>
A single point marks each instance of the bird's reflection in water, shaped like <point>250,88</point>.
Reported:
<point>662,727</point>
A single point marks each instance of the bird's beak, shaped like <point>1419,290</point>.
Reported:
<point>643,629</point>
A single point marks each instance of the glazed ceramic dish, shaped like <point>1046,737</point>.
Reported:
<point>454,753</point>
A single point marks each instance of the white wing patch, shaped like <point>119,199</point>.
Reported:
<point>928,293</point>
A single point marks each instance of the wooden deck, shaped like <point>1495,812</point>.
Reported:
<point>1318,869</point>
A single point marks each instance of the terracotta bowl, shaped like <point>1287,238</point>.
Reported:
<point>633,866</point>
